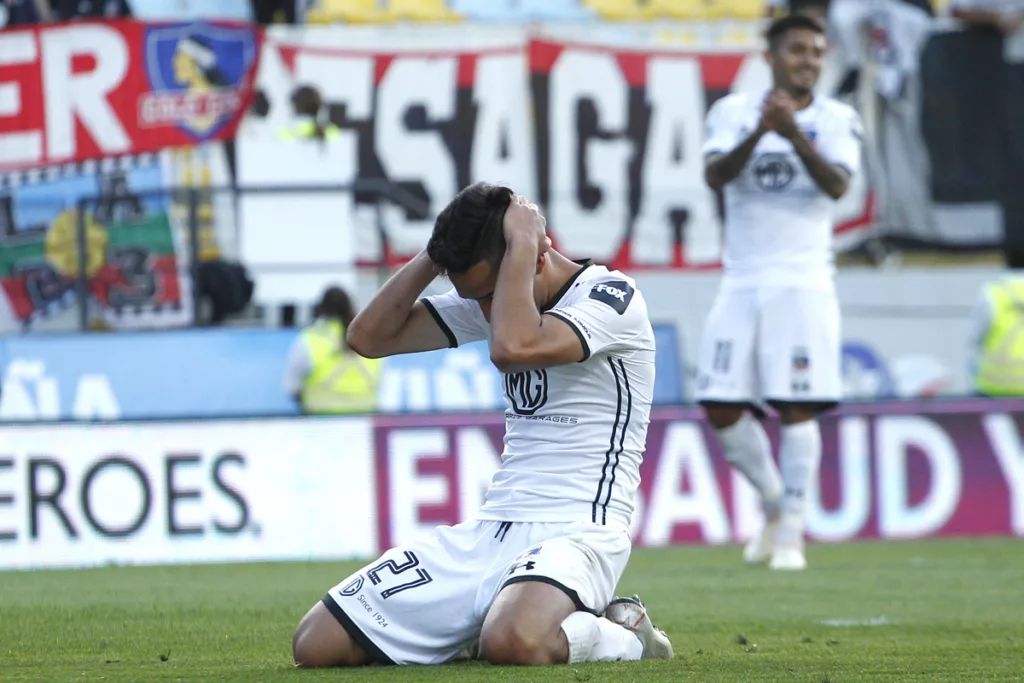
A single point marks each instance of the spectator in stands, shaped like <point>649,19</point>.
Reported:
<point>278,11</point>
<point>186,10</point>
<point>23,12</point>
<point>323,375</point>
<point>997,339</point>
<point>1005,16</point>
<point>307,106</point>
<point>989,26</point>
<point>68,10</point>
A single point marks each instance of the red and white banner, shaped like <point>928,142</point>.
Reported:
<point>606,138</point>
<point>89,90</point>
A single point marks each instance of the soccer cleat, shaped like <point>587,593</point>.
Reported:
<point>759,548</point>
<point>631,614</point>
<point>788,553</point>
<point>788,558</point>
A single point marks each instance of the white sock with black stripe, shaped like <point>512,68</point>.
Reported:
<point>595,639</point>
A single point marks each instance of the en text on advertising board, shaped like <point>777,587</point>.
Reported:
<point>889,470</point>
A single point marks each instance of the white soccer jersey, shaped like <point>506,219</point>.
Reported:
<point>778,222</point>
<point>574,434</point>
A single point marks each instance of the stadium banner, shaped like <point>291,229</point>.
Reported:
<point>267,490</point>
<point>617,168</point>
<point>89,90</point>
<point>136,256</point>
<point>890,470</point>
<point>234,373</point>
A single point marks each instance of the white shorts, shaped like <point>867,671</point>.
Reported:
<point>424,602</point>
<point>782,345</point>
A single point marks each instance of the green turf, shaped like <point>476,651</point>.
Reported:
<point>943,611</point>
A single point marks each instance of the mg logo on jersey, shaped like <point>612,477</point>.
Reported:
<point>773,172</point>
<point>527,391</point>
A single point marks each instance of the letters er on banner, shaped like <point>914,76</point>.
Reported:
<point>80,91</point>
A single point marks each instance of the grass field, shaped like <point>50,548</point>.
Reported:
<point>923,611</point>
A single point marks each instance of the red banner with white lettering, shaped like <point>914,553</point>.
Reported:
<point>88,90</point>
<point>606,138</point>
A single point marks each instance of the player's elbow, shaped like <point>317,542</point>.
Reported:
<point>510,357</point>
<point>713,178</point>
<point>505,357</point>
<point>838,189</point>
<point>360,340</point>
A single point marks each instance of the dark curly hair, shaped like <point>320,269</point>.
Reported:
<point>791,22</point>
<point>469,229</point>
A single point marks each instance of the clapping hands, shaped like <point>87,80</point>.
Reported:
<point>778,114</point>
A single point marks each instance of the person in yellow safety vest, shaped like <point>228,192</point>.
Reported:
<point>998,339</point>
<point>323,375</point>
<point>308,108</point>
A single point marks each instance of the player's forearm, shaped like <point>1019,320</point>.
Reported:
<point>515,320</point>
<point>830,178</point>
<point>723,170</point>
<point>387,312</point>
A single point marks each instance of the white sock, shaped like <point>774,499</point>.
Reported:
<point>800,455</point>
<point>595,639</point>
<point>746,447</point>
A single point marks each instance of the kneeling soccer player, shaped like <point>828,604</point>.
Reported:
<point>529,580</point>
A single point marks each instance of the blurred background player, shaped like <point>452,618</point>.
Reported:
<point>325,376</point>
<point>782,159</point>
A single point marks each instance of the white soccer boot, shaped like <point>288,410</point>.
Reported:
<point>788,553</point>
<point>631,614</point>
<point>759,548</point>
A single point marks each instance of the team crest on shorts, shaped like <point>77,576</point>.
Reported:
<point>801,359</point>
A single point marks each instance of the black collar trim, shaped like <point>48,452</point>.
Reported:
<point>553,301</point>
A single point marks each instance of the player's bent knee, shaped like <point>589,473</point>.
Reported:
<point>320,642</point>
<point>796,413</point>
<point>516,643</point>
<point>723,415</point>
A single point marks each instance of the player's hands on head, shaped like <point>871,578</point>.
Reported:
<point>523,221</point>
<point>777,114</point>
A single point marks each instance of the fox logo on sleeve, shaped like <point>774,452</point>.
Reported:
<point>615,293</point>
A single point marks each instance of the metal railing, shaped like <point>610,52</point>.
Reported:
<point>89,211</point>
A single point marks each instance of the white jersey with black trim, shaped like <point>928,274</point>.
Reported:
<point>778,222</point>
<point>574,434</point>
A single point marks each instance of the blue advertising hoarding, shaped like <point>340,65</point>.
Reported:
<point>235,372</point>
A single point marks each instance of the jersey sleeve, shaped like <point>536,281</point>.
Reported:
<point>721,131</point>
<point>460,319</point>
<point>842,141</point>
<point>609,318</point>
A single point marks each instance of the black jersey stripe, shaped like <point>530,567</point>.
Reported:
<point>594,517</point>
<point>453,343</point>
<point>622,440</point>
